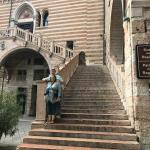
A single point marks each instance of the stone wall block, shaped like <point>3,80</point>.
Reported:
<point>138,26</point>
<point>137,12</point>
<point>140,38</point>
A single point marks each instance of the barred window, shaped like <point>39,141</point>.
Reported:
<point>21,75</point>
<point>38,74</point>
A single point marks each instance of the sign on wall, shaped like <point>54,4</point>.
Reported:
<point>143,61</point>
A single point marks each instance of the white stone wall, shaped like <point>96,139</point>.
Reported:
<point>135,96</point>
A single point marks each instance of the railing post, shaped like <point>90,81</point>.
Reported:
<point>52,46</point>
<point>14,32</point>
<point>26,36</point>
<point>39,41</point>
<point>64,52</point>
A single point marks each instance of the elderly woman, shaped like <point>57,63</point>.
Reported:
<point>58,84</point>
<point>53,94</point>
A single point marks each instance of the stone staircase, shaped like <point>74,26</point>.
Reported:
<point>93,117</point>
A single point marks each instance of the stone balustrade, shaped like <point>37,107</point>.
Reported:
<point>118,76</point>
<point>37,41</point>
<point>66,72</point>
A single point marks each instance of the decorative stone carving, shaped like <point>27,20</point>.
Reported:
<point>26,14</point>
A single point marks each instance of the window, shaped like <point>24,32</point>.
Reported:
<point>38,19</point>
<point>21,75</point>
<point>69,44</point>
<point>22,90</point>
<point>38,74</point>
<point>45,18</point>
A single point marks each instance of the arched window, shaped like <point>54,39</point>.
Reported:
<point>45,18</point>
<point>38,19</point>
<point>24,16</point>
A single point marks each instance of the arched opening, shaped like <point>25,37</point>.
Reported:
<point>38,19</point>
<point>25,16</point>
<point>25,67</point>
<point>45,18</point>
<point>117,33</point>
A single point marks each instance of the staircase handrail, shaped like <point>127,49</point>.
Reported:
<point>66,71</point>
<point>37,40</point>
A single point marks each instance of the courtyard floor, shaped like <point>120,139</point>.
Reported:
<point>10,143</point>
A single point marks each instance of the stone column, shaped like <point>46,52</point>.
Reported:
<point>41,14</point>
<point>40,103</point>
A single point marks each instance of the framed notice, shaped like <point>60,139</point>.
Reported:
<point>143,61</point>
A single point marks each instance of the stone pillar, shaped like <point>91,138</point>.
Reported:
<point>41,14</point>
<point>40,103</point>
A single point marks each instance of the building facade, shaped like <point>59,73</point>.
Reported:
<point>111,32</point>
<point>75,25</point>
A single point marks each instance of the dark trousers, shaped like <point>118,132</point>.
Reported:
<point>50,108</point>
<point>58,108</point>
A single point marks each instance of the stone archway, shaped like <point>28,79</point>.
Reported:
<point>25,66</point>
<point>117,32</point>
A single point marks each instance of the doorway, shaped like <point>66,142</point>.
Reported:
<point>33,100</point>
<point>22,98</point>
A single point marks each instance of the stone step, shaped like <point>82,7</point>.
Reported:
<point>69,87</point>
<point>95,103</point>
<point>99,75</point>
<point>54,147</point>
<point>91,143</point>
<point>98,102</point>
<point>94,116</point>
<point>83,134</point>
<point>91,79</point>
<point>95,121</point>
<point>90,93</point>
<point>92,72</point>
<point>96,83</point>
<point>92,96</point>
<point>89,86</point>
<point>85,127</point>
<point>87,79</point>
<point>93,107</point>
<point>92,99</point>
<point>98,110</point>
<point>113,91</point>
